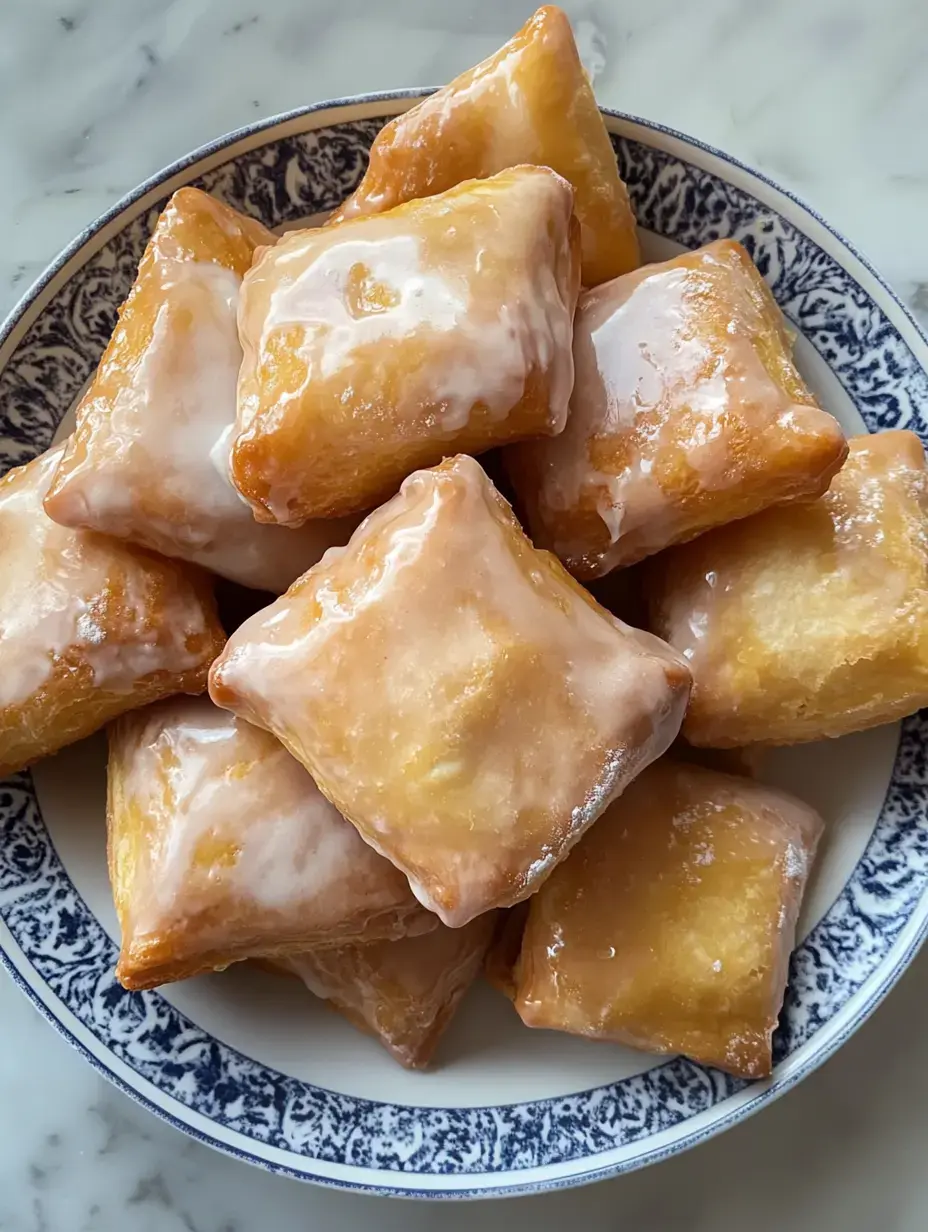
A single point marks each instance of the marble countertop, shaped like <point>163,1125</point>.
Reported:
<point>827,96</point>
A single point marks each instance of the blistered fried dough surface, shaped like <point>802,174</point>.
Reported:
<point>670,926</point>
<point>455,693</point>
<point>404,993</point>
<point>531,102</point>
<point>687,412</point>
<point>149,459</point>
<point>385,344</point>
<point>810,620</point>
<point>222,847</point>
<point>89,627</point>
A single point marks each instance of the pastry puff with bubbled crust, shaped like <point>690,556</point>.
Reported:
<point>89,627</point>
<point>149,458</point>
<point>809,620</point>
<point>221,848</point>
<point>387,343</point>
<point>687,412</point>
<point>455,693</point>
<point>404,992</point>
<point>670,926</point>
<point>531,102</point>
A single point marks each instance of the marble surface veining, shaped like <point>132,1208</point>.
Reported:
<point>829,97</point>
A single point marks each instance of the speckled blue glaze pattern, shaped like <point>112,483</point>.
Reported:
<point>281,181</point>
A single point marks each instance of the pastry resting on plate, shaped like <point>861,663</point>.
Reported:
<point>149,458</point>
<point>384,344</point>
<point>670,926</point>
<point>89,627</point>
<point>221,847</point>
<point>404,993</point>
<point>809,620</point>
<point>531,102</point>
<point>455,693</point>
<point>687,412</point>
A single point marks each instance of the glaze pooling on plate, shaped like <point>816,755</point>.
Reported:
<point>861,945</point>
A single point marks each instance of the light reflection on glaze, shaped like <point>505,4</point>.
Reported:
<point>494,707</point>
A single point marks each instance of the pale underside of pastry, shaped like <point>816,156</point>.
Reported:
<point>384,344</point>
<point>149,459</point>
<point>669,927</point>
<point>221,848</point>
<point>493,706</point>
<point>405,992</point>
<point>531,102</point>
<point>89,627</point>
<point>809,620</point>
<point>687,412</point>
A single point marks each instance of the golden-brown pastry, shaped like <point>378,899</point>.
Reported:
<point>89,627</point>
<point>221,847</point>
<point>808,620</point>
<point>670,926</point>
<point>531,102</point>
<point>404,993</point>
<point>384,344</point>
<point>687,412</point>
<point>455,693</point>
<point>503,955</point>
<point>149,458</point>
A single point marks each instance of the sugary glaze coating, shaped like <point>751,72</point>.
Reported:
<point>404,993</point>
<point>808,620</point>
<point>382,345</point>
<point>531,102</point>
<point>670,926</point>
<point>149,458</point>
<point>687,412</point>
<point>89,627</point>
<point>222,847</point>
<point>455,693</point>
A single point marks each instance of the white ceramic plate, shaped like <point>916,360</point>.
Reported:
<point>252,1064</point>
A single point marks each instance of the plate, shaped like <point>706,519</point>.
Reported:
<point>252,1064</point>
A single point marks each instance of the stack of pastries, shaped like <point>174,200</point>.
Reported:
<point>429,750</point>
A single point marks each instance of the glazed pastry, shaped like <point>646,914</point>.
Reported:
<point>222,847</point>
<point>530,103</point>
<point>404,993</point>
<point>810,620</point>
<point>149,459</point>
<point>670,926</point>
<point>687,412</point>
<point>455,693</point>
<point>387,343</point>
<point>502,957</point>
<point>89,627</point>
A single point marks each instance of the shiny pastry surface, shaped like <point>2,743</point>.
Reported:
<point>405,992</point>
<point>670,926</point>
<point>222,847</point>
<point>384,344</point>
<point>687,412</point>
<point>89,627</point>
<point>149,458</point>
<point>809,620</point>
<point>531,102</point>
<point>455,693</point>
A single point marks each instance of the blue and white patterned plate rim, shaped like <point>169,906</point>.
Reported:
<point>907,780</point>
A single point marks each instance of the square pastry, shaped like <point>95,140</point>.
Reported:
<point>459,698</point>
<point>89,627</point>
<point>687,412</point>
<point>404,993</point>
<point>221,847</point>
<point>669,928</point>
<point>531,102</point>
<point>383,344</point>
<point>808,620</point>
<point>149,458</point>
